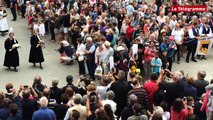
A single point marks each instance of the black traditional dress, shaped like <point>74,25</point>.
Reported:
<point>11,56</point>
<point>36,54</point>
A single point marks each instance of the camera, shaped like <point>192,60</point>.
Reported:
<point>92,94</point>
<point>184,98</point>
<point>25,86</point>
<point>82,78</point>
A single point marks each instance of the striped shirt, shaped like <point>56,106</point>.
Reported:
<point>142,97</point>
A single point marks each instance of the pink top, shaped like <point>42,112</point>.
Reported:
<point>149,54</point>
<point>205,102</point>
<point>179,115</point>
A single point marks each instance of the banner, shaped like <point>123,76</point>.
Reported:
<point>204,45</point>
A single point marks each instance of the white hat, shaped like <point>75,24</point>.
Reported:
<point>162,31</point>
<point>11,30</point>
<point>120,48</point>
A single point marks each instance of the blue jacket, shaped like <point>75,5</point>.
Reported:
<point>190,91</point>
<point>44,114</point>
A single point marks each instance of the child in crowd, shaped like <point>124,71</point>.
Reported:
<point>41,29</point>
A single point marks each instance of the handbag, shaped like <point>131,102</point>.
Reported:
<point>80,58</point>
<point>98,71</point>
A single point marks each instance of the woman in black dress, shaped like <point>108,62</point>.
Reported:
<point>11,56</point>
<point>36,54</point>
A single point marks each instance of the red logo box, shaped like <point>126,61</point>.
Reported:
<point>188,8</point>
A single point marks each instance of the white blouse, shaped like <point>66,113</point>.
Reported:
<point>80,49</point>
<point>177,35</point>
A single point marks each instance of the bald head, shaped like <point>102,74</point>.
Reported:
<point>46,92</point>
<point>37,79</point>
<point>26,93</point>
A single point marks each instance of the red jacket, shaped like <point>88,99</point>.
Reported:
<point>151,88</point>
<point>129,32</point>
<point>179,115</point>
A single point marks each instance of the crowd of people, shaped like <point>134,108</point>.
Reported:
<point>168,96</point>
<point>128,45</point>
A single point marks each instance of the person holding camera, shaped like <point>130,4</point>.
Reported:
<point>77,106</point>
<point>29,101</point>
<point>179,110</point>
<point>38,86</point>
<point>93,105</point>
<point>173,88</point>
<point>121,88</point>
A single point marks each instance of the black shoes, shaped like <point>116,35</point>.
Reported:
<point>15,70</point>
<point>187,61</point>
<point>41,67</point>
<point>13,20</point>
<point>194,60</point>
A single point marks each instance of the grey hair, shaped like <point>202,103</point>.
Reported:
<point>55,82</point>
<point>43,102</point>
<point>133,99</point>
<point>177,76</point>
<point>110,95</point>
<point>121,74</point>
<point>202,74</point>
<point>77,99</point>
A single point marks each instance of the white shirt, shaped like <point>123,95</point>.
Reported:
<point>111,103</point>
<point>107,53</point>
<point>92,2</point>
<point>80,49</point>
<point>166,116</point>
<point>102,90</point>
<point>124,28</point>
<point>41,29</point>
<point>208,35</point>
<point>191,35</point>
<point>80,108</point>
<point>161,19</point>
<point>99,54</point>
<point>172,23</point>
<point>177,34</point>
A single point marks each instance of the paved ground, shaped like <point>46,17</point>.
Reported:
<point>53,68</point>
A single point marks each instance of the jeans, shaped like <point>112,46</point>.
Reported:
<point>23,10</point>
<point>91,68</point>
<point>52,33</point>
<point>13,11</point>
<point>170,63</point>
<point>177,52</point>
<point>147,69</point>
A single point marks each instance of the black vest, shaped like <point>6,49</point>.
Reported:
<point>90,56</point>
